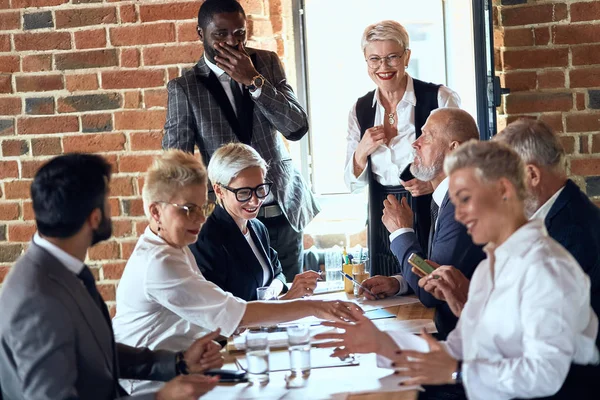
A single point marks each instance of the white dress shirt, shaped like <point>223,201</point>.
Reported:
<point>543,211</point>
<point>438,196</point>
<point>259,257</point>
<point>388,161</point>
<point>164,302</point>
<point>224,79</point>
<point>72,263</point>
<point>527,318</point>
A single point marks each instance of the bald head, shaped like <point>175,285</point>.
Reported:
<point>454,124</point>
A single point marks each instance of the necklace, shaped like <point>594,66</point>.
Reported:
<point>391,119</point>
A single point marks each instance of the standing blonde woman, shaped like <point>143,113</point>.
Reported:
<point>527,329</point>
<point>381,128</point>
<point>233,249</point>
<point>163,301</point>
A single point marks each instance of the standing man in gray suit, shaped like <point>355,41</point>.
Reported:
<point>235,93</point>
<point>56,339</point>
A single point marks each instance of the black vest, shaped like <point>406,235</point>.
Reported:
<point>426,96</point>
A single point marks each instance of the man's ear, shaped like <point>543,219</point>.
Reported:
<point>533,174</point>
<point>95,218</point>
<point>454,145</point>
<point>200,32</point>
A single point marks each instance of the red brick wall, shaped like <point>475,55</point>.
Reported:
<point>91,75</point>
<point>548,54</point>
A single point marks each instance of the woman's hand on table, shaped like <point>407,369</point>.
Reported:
<point>361,336</point>
<point>304,284</point>
<point>204,353</point>
<point>373,138</point>
<point>433,368</point>
<point>335,310</point>
<point>417,187</point>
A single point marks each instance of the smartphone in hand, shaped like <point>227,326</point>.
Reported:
<point>406,175</point>
<point>227,375</point>
<point>420,264</point>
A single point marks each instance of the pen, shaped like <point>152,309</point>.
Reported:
<point>357,284</point>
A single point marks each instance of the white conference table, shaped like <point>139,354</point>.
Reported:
<point>354,382</point>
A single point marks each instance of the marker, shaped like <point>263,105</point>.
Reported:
<point>357,284</point>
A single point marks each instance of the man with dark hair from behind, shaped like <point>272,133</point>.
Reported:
<point>56,339</point>
<point>239,94</point>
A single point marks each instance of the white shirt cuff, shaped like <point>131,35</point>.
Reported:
<point>256,93</point>
<point>403,284</point>
<point>399,232</point>
<point>405,341</point>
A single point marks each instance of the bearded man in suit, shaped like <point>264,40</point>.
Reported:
<point>56,338</point>
<point>239,94</point>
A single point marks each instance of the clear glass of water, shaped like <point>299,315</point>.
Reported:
<point>263,293</point>
<point>257,357</point>
<point>299,349</point>
<point>333,267</point>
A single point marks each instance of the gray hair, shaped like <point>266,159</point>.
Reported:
<point>457,125</point>
<point>535,142</point>
<point>171,171</point>
<point>231,159</point>
<point>385,30</point>
<point>491,160</point>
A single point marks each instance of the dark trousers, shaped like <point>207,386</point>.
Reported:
<point>383,261</point>
<point>287,243</point>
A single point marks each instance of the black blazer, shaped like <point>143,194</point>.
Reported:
<point>574,222</point>
<point>226,259</point>
<point>450,245</point>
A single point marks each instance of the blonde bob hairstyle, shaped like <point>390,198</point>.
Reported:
<point>232,158</point>
<point>491,160</point>
<point>171,171</point>
<point>385,30</point>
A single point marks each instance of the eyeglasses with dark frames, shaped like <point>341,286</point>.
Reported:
<point>193,211</point>
<point>393,60</point>
<point>244,194</point>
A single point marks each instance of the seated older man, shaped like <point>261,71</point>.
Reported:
<point>449,242</point>
<point>570,217</point>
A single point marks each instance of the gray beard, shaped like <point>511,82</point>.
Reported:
<point>427,173</point>
<point>530,205</point>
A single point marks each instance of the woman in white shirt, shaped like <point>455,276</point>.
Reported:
<point>163,301</point>
<point>381,128</point>
<point>528,316</point>
<point>233,249</point>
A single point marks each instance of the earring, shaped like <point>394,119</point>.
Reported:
<point>505,198</point>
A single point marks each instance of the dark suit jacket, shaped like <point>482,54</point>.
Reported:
<point>451,245</point>
<point>56,344</point>
<point>226,259</point>
<point>199,113</point>
<point>574,222</point>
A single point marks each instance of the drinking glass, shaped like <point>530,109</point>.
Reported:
<point>299,349</point>
<point>257,357</point>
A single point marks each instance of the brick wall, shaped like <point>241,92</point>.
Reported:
<point>548,54</point>
<point>91,75</point>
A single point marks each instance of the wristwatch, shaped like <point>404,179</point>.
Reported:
<point>181,366</point>
<point>457,375</point>
<point>256,83</point>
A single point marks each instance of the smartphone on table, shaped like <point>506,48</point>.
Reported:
<point>420,264</point>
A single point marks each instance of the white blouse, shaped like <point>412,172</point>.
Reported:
<point>527,318</point>
<point>388,161</point>
<point>164,302</point>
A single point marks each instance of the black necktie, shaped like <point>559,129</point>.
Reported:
<point>90,284</point>
<point>241,112</point>
<point>434,209</point>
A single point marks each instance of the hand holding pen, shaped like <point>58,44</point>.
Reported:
<point>351,279</point>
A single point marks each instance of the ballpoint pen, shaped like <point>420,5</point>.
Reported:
<point>357,284</point>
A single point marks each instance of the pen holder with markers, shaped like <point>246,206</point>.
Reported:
<point>348,285</point>
<point>359,274</point>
